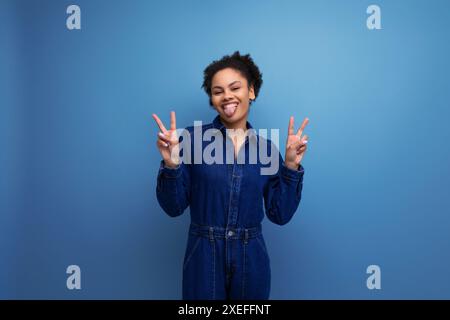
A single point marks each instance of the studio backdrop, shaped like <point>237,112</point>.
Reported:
<point>79,81</point>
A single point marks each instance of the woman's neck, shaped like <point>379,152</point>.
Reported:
<point>241,124</point>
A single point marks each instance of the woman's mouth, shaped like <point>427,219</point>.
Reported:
<point>230,108</point>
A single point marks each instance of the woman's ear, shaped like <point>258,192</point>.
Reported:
<point>251,93</point>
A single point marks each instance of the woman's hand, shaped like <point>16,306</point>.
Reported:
<point>167,142</point>
<point>295,145</point>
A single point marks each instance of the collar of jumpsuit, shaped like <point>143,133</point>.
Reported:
<point>218,124</point>
<point>252,136</point>
<point>226,256</point>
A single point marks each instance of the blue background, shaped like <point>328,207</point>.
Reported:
<point>79,161</point>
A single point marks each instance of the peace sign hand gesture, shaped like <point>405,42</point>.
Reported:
<point>295,145</point>
<point>167,142</point>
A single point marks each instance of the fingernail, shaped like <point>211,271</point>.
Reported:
<point>305,142</point>
<point>166,144</point>
<point>160,133</point>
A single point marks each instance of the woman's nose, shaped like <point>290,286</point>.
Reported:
<point>228,95</point>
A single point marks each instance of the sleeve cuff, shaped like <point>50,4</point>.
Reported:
<point>291,174</point>
<point>169,172</point>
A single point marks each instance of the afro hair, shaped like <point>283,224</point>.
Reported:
<point>242,63</point>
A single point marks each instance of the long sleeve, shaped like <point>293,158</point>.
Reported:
<point>282,193</point>
<point>173,189</point>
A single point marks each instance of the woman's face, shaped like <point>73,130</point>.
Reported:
<point>230,96</point>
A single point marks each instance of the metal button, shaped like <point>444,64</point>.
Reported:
<point>230,233</point>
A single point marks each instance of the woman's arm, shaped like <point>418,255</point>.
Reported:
<point>173,182</point>
<point>282,193</point>
<point>173,188</point>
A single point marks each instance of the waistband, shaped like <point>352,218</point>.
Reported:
<point>214,232</point>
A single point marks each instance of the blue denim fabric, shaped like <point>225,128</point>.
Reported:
<point>226,256</point>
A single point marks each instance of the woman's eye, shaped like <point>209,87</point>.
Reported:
<point>216,93</point>
<point>234,89</point>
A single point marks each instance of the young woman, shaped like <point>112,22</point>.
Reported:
<point>226,256</point>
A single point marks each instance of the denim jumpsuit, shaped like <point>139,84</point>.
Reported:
<point>226,256</point>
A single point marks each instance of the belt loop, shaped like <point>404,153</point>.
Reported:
<point>211,234</point>
<point>246,236</point>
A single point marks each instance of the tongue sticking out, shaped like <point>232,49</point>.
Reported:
<point>230,109</point>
